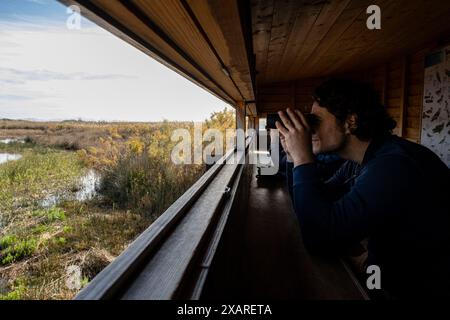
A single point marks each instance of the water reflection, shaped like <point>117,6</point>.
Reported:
<point>89,185</point>
<point>86,190</point>
<point>5,157</point>
<point>12,140</point>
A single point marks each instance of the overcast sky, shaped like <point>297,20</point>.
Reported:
<point>49,72</point>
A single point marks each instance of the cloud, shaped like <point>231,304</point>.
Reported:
<point>12,97</point>
<point>12,75</point>
<point>50,72</point>
<point>39,1</point>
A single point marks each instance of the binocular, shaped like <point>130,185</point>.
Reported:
<point>272,118</point>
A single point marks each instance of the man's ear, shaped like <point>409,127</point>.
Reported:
<point>351,123</point>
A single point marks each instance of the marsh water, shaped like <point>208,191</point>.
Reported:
<point>5,157</point>
<point>86,189</point>
<point>12,140</point>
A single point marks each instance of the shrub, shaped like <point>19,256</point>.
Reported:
<point>17,251</point>
<point>16,293</point>
<point>7,241</point>
<point>146,182</point>
<point>51,215</point>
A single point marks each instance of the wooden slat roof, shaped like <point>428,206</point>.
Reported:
<point>295,39</point>
<point>229,46</point>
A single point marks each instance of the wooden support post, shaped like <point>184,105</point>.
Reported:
<point>292,94</point>
<point>240,118</point>
<point>385,86</point>
<point>240,115</point>
<point>403,98</point>
<point>250,122</point>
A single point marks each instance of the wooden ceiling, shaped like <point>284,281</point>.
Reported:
<point>296,39</point>
<point>228,47</point>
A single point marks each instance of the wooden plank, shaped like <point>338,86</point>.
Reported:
<point>418,56</point>
<point>110,281</point>
<point>412,133</point>
<point>403,97</point>
<point>415,111</point>
<point>285,13</point>
<point>272,106</point>
<point>222,22</point>
<point>275,98</point>
<point>393,112</point>
<point>324,20</point>
<point>394,103</point>
<point>416,77</point>
<point>395,93</point>
<point>430,24</point>
<point>413,122</point>
<point>307,14</point>
<point>274,89</point>
<point>356,38</point>
<point>240,115</point>
<point>373,44</point>
<point>304,96</point>
<point>170,16</point>
<point>415,100</point>
<point>415,89</point>
<point>163,275</point>
<point>251,109</point>
<point>416,67</point>
<point>349,46</point>
<point>262,16</point>
<point>324,25</point>
<point>384,94</point>
<point>396,65</point>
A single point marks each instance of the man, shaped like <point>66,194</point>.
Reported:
<point>391,191</point>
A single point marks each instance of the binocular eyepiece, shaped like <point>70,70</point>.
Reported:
<point>311,119</point>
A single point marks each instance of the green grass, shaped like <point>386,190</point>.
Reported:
<point>28,230</point>
<point>18,289</point>
<point>37,244</point>
<point>51,215</point>
<point>17,250</point>
<point>40,172</point>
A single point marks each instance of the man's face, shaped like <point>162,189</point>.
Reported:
<point>329,135</point>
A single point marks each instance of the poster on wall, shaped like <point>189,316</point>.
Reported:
<point>436,104</point>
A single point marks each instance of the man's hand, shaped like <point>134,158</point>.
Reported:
<point>283,144</point>
<point>295,137</point>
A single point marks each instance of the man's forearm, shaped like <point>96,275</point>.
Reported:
<point>289,178</point>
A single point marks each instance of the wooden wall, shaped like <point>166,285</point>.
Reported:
<point>398,81</point>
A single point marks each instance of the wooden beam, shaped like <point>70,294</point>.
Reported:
<point>403,97</point>
<point>224,26</point>
<point>240,115</point>
<point>293,93</point>
<point>208,41</point>
<point>385,82</point>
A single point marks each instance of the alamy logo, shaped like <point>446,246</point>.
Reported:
<point>73,277</point>
<point>374,280</point>
<point>208,147</point>
<point>74,20</point>
<point>374,20</point>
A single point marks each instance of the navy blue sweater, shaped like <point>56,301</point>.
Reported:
<point>398,198</point>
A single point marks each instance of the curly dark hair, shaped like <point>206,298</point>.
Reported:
<point>343,97</point>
